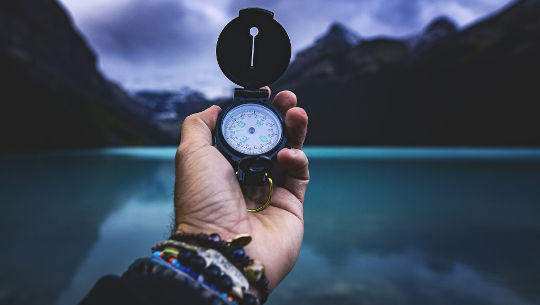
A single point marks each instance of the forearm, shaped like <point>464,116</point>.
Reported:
<point>147,282</point>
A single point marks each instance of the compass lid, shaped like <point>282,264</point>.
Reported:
<point>253,50</point>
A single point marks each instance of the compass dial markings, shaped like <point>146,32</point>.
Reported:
<point>260,134</point>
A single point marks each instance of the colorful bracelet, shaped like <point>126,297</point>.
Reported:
<point>190,254</point>
<point>253,269</point>
<point>210,276</point>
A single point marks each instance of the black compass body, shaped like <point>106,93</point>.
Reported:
<point>253,50</point>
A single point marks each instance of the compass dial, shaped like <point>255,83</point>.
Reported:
<point>251,129</point>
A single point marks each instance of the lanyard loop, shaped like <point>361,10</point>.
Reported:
<point>268,200</point>
<point>252,170</point>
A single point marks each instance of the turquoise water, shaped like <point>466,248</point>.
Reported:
<point>383,226</point>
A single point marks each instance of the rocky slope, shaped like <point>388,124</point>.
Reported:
<point>472,87</point>
<point>168,109</point>
<point>51,93</point>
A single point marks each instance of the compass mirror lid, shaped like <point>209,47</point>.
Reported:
<point>253,50</point>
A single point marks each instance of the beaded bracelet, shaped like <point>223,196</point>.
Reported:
<point>201,257</point>
<point>211,276</point>
<point>232,250</point>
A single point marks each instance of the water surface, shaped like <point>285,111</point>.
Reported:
<point>383,226</point>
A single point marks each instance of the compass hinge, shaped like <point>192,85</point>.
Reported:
<point>251,93</point>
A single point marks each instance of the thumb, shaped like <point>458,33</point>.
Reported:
<point>197,128</point>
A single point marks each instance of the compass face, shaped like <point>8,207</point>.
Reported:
<point>251,129</point>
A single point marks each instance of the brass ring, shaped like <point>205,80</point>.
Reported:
<point>267,203</point>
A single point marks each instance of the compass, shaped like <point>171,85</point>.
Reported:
<point>252,129</point>
<point>253,50</point>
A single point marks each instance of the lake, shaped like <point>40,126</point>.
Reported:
<point>383,225</point>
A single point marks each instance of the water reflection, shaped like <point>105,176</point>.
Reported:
<point>137,226</point>
<point>51,213</point>
<point>376,278</point>
<point>477,214</point>
<point>378,231</point>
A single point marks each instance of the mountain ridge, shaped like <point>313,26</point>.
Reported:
<point>445,87</point>
<point>474,87</point>
<point>53,97</point>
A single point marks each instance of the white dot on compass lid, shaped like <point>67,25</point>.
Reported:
<point>254,31</point>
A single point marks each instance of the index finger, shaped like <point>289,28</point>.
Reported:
<point>197,128</point>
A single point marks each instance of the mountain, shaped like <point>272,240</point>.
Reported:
<point>446,87</point>
<point>335,57</point>
<point>338,40</point>
<point>168,109</point>
<point>52,95</point>
<point>439,29</point>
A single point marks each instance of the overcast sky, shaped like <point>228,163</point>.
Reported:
<point>168,44</point>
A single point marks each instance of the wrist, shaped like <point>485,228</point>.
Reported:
<point>184,228</point>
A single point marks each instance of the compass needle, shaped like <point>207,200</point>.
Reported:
<point>253,32</point>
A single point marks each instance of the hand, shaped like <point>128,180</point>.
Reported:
<point>208,197</point>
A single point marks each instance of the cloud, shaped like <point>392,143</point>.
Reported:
<point>307,19</point>
<point>167,44</point>
<point>158,44</point>
<point>148,30</point>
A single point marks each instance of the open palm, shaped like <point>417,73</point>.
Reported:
<point>208,197</point>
